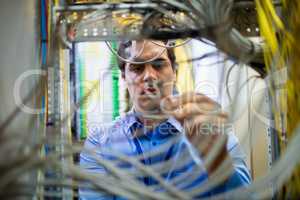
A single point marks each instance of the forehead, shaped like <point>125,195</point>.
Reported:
<point>147,49</point>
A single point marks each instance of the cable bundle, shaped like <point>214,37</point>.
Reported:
<point>282,38</point>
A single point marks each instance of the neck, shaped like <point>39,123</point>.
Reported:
<point>150,121</point>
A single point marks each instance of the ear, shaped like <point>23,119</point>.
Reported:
<point>123,74</point>
<point>124,78</point>
<point>175,74</point>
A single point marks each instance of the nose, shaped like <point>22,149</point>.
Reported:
<point>150,73</point>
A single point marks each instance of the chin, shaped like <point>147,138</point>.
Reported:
<point>148,106</point>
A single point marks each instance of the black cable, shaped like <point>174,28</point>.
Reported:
<point>206,55</point>
<point>227,80</point>
<point>241,86</point>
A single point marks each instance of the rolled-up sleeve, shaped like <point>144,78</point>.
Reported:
<point>241,173</point>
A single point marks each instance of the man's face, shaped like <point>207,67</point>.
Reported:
<point>149,83</point>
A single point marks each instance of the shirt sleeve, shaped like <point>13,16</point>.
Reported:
<point>90,165</point>
<point>241,172</point>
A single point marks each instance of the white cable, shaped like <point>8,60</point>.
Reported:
<point>134,62</point>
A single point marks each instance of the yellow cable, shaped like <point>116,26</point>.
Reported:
<point>284,52</point>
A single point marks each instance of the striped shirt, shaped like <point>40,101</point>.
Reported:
<point>166,149</point>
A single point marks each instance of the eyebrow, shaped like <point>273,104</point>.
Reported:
<point>158,60</point>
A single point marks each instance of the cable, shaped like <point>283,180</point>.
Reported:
<point>133,62</point>
<point>172,46</point>
<point>227,81</point>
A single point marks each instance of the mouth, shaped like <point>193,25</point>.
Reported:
<point>150,92</point>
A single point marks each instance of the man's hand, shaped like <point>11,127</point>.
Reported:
<point>203,121</point>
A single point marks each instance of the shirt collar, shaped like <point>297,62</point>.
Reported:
<point>131,120</point>
<point>176,124</point>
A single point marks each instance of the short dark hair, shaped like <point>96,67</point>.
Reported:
<point>122,52</point>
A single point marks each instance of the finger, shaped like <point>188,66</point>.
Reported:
<point>174,102</point>
<point>205,125</point>
<point>205,143</point>
<point>190,109</point>
<point>202,118</point>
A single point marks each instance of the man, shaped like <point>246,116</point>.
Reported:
<point>192,122</point>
